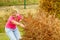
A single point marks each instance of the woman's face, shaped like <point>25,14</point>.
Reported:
<point>14,14</point>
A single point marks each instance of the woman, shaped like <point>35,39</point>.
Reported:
<point>11,26</point>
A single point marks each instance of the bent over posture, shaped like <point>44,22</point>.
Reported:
<point>11,26</point>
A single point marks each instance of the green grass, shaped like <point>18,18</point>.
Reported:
<point>3,36</point>
<point>16,2</point>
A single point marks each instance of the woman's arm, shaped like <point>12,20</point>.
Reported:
<point>17,23</point>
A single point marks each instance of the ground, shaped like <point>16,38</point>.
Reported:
<point>3,36</point>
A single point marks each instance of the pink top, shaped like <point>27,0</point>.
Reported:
<point>9,24</point>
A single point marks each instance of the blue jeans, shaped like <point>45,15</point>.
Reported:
<point>13,34</point>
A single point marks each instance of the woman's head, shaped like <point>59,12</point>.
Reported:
<point>13,13</point>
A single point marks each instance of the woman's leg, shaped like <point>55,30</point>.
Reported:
<point>10,34</point>
<point>17,34</point>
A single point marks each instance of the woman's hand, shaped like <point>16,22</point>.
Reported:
<point>22,25</point>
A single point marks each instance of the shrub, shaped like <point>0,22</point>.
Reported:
<point>51,6</point>
<point>44,26</point>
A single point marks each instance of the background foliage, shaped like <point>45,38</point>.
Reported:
<point>51,6</point>
<point>16,2</point>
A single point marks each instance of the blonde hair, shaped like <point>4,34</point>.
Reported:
<point>13,9</point>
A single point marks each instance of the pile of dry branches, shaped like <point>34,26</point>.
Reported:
<point>43,26</point>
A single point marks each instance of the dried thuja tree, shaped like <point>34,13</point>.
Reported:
<point>42,27</point>
<point>51,6</point>
<point>48,5</point>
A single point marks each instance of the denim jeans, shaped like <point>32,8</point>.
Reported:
<point>13,34</point>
